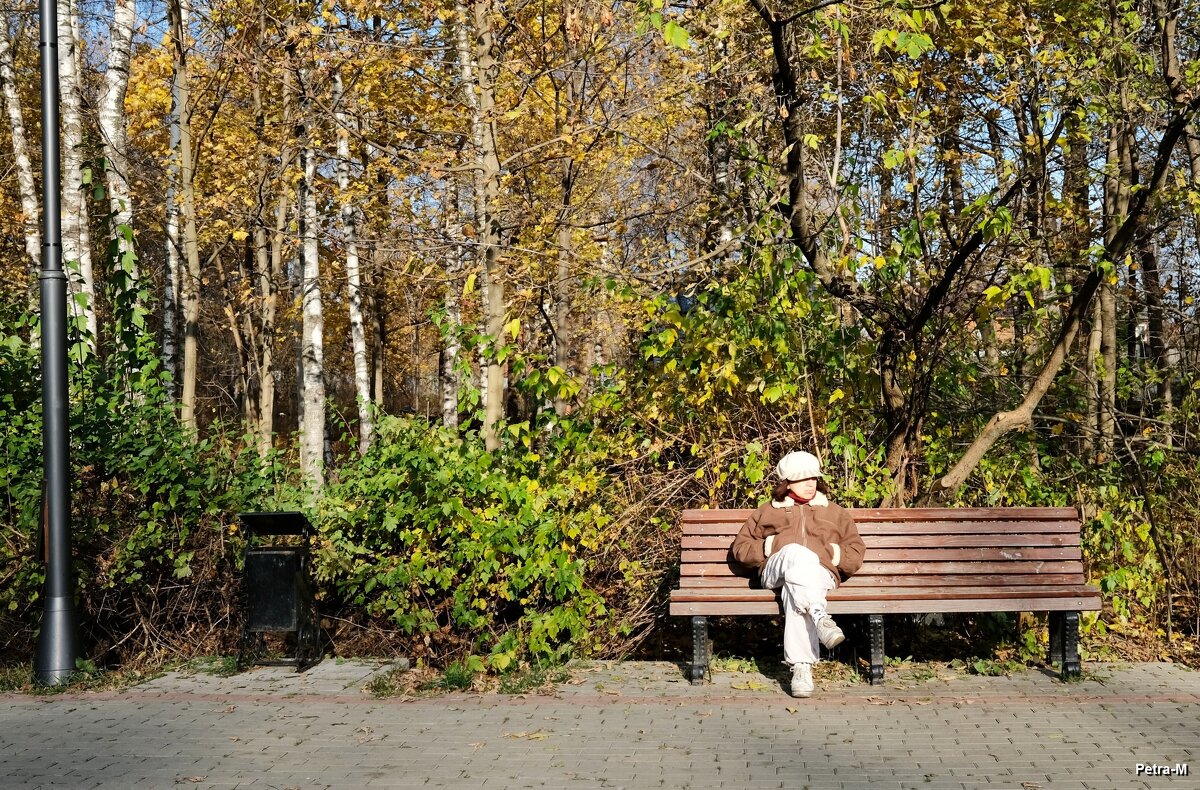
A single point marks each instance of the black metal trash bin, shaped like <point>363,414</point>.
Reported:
<point>278,589</point>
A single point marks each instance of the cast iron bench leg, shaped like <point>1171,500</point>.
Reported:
<point>876,623</point>
<point>1064,643</point>
<point>1070,645</point>
<point>699,648</point>
<point>1056,638</point>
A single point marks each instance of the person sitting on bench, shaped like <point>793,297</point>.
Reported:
<point>803,545</point>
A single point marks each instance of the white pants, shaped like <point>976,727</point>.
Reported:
<point>802,583</point>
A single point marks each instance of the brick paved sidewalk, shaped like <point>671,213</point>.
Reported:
<point>631,725</point>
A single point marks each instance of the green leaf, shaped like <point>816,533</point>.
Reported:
<point>675,35</point>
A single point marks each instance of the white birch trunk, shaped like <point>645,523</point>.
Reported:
<point>488,69</point>
<point>170,305</point>
<point>20,144</point>
<point>312,349</point>
<point>450,347</point>
<point>350,223</point>
<point>171,277</point>
<point>112,119</point>
<point>76,236</point>
<point>190,284</point>
<point>462,255</point>
<point>472,255</point>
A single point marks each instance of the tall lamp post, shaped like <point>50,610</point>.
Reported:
<point>58,642</point>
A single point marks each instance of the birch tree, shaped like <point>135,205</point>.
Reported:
<point>112,121</point>
<point>177,13</point>
<point>350,216</point>
<point>312,340</point>
<point>76,235</point>
<point>460,253</point>
<point>486,73</point>
<point>20,145</point>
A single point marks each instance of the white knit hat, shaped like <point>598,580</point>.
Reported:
<point>798,465</point>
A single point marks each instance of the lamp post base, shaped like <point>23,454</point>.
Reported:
<point>58,644</point>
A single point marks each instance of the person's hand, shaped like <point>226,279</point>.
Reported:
<point>836,551</point>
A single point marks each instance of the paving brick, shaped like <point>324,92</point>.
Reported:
<point>272,728</point>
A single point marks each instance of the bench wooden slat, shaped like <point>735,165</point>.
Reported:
<point>914,528</point>
<point>691,542</point>
<point>944,580</point>
<point>927,554</point>
<point>940,555</point>
<point>1063,527</point>
<point>1030,566</point>
<point>958,540</point>
<point>896,593</point>
<point>771,608</point>
<point>993,514</point>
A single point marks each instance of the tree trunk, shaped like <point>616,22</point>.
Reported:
<point>312,340</point>
<point>172,276</point>
<point>1117,247</point>
<point>190,285</point>
<point>269,278</point>
<point>76,235</point>
<point>26,188</point>
<point>462,256</point>
<point>1166,12</point>
<point>350,223</point>
<point>564,282</point>
<point>563,300</point>
<point>489,220</point>
<point>448,363</point>
<point>1156,324</point>
<point>236,334</point>
<point>1117,185</point>
<point>112,123</point>
<point>896,410</point>
<point>268,255</point>
<point>1092,379</point>
<point>1077,241</point>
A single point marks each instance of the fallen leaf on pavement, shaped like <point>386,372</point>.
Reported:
<point>536,735</point>
<point>749,685</point>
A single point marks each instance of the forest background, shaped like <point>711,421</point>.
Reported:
<point>493,288</point>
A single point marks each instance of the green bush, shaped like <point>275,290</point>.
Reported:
<point>468,550</point>
<point>153,560</point>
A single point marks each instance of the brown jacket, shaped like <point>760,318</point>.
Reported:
<point>827,530</point>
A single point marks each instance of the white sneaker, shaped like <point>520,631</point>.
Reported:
<point>828,632</point>
<point>802,680</point>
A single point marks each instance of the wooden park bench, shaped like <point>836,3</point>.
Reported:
<point>918,561</point>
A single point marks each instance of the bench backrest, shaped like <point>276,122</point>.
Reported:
<point>919,546</point>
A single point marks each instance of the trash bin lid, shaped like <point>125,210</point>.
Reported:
<point>279,522</point>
